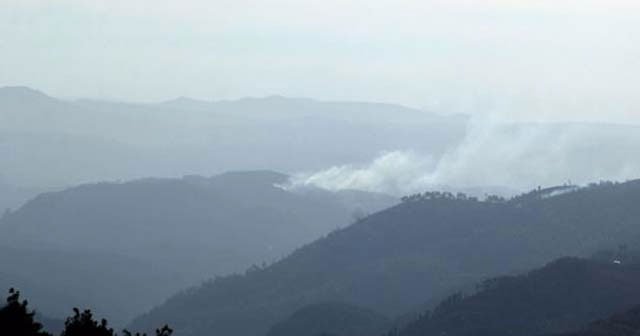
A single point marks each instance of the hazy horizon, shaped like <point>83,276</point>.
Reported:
<point>526,60</point>
<point>320,168</point>
<point>421,151</point>
<point>495,117</point>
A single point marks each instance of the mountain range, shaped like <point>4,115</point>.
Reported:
<point>47,142</point>
<point>396,260</point>
<point>161,235</point>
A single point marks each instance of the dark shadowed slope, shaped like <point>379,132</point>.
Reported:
<point>394,260</point>
<point>181,231</point>
<point>561,296</point>
<point>621,324</point>
<point>334,318</point>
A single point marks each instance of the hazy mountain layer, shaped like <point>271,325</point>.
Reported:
<point>12,197</point>
<point>399,258</point>
<point>47,142</point>
<point>50,142</point>
<point>56,280</point>
<point>181,231</point>
<point>332,318</point>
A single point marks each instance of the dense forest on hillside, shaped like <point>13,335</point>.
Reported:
<point>422,249</point>
<point>621,324</point>
<point>562,296</point>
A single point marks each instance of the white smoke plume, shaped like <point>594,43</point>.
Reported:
<point>495,154</point>
<point>392,172</point>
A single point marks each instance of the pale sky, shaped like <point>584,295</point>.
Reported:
<point>559,60</point>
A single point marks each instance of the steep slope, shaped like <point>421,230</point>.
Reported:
<point>398,258</point>
<point>332,318</point>
<point>561,296</point>
<point>179,230</point>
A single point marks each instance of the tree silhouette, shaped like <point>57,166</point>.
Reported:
<point>17,320</point>
<point>164,331</point>
<point>83,324</point>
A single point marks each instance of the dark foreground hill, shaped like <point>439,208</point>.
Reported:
<point>562,296</point>
<point>332,318</point>
<point>621,324</point>
<point>412,253</point>
<point>160,235</point>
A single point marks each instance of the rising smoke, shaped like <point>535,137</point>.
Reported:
<point>494,154</point>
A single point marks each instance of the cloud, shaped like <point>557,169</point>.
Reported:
<point>495,154</point>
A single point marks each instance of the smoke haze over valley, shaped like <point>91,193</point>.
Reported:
<point>319,168</point>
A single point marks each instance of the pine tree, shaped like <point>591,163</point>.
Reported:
<point>83,324</point>
<point>17,320</point>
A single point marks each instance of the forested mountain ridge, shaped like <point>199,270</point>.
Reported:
<point>161,235</point>
<point>559,297</point>
<point>422,249</point>
<point>620,324</point>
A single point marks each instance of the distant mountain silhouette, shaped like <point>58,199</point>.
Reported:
<point>176,231</point>
<point>332,318</point>
<point>415,252</point>
<point>113,140</point>
<point>12,197</point>
<point>23,95</point>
